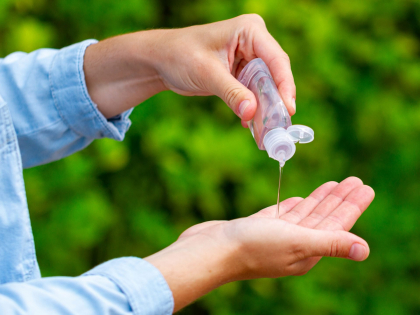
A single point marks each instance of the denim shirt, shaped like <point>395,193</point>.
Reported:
<point>46,114</point>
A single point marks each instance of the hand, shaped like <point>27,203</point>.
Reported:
<point>210,254</point>
<point>206,59</point>
<point>123,71</point>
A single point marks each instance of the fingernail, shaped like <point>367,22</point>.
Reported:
<point>357,252</point>
<point>242,107</point>
<point>294,104</point>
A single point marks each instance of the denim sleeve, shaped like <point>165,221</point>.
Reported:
<point>120,286</point>
<point>52,112</point>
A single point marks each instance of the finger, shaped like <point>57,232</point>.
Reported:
<point>271,211</point>
<point>240,99</point>
<point>345,215</point>
<point>298,213</point>
<point>269,50</point>
<point>336,244</point>
<point>240,63</point>
<point>331,202</point>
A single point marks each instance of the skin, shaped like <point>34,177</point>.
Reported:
<point>123,71</point>
<point>211,254</point>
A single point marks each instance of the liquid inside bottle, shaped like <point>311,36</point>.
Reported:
<point>271,112</point>
<point>271,126</point>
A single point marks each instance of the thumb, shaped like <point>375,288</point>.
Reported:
<point>337,244</point>
<point>240,99</point>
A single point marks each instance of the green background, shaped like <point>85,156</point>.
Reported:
<point>187,159</point>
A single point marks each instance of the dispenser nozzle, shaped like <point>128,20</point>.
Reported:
<point>282,158</point>
<point>279,145</point>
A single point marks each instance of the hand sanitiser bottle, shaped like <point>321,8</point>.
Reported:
<point>272,126</point>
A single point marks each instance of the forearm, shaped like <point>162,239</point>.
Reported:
<point>120,72</point>
<point>193,267</point>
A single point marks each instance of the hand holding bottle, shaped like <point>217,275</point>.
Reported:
<point>123,71</point>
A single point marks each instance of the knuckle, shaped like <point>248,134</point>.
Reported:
<point>256,18</point>
<point>299,253</point>
<point>302,273</point>
<point>334,250</point>
<point>230,96</point>
<point>196,58</point>
<point>253,18</point>
<point>285,57</point>
<point>291,269</point>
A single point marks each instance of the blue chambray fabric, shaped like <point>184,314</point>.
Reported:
<point>46,114</point>
<point>17,252</point>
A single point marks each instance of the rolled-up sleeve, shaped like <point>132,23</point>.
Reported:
<point>121,286</point>
<point>52,111</point>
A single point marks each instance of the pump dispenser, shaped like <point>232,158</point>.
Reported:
<point>272,126</point>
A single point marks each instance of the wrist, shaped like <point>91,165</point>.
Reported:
<point>195,265</point>
<point>120,72</point>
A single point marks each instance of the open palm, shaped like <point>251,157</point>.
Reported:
<point>306,230</point>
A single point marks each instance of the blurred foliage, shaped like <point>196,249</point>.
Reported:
<point>185,160</point>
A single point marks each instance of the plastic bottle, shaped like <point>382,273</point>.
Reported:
<point>272,126</point>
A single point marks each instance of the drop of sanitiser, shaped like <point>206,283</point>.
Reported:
<point>278,193</point>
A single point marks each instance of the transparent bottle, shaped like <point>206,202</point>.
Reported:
<point>272,126</point>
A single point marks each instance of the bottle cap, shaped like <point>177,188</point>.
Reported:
<point>301,133</point>
<point>279,145</point>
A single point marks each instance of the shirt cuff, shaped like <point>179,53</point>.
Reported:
<point>72,100</point>
<point>141,282</point>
